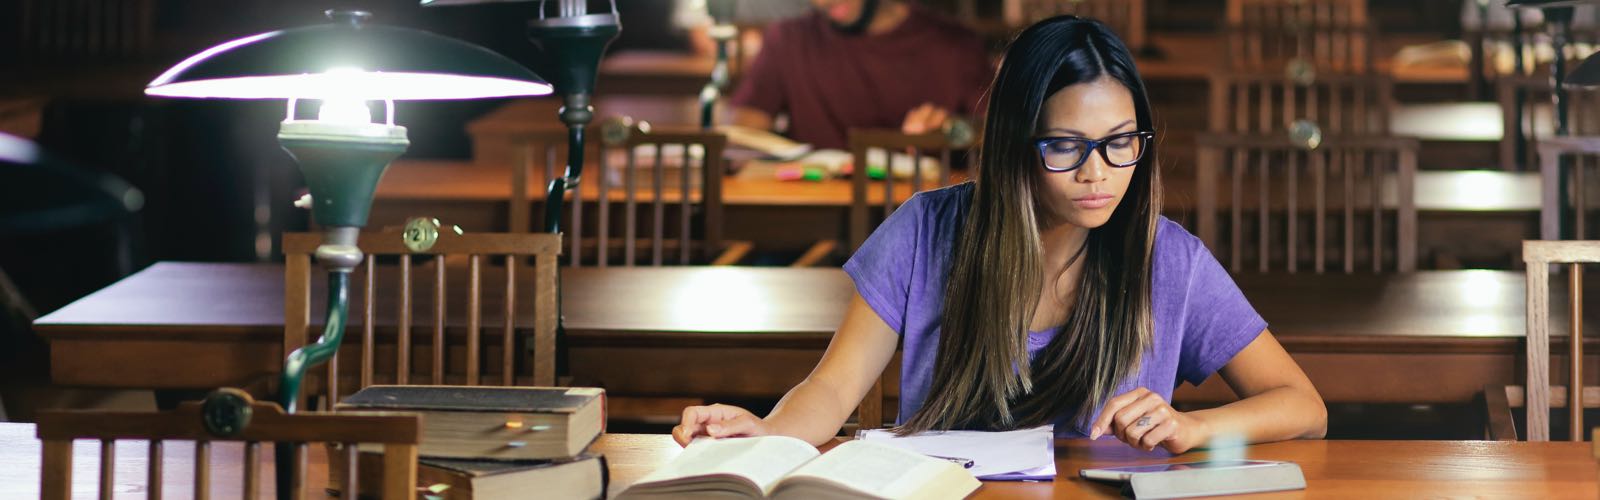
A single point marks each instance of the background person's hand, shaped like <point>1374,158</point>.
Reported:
<point>925,118</point>
<point>717,421</point>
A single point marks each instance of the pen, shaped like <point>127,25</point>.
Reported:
<point>966,463</point>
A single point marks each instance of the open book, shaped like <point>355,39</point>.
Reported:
<point>785,467</point>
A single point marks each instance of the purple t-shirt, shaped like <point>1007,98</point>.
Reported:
<point>1201,318</point>
<point>829,82</point>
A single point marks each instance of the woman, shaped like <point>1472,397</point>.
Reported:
<point>1050,290</point>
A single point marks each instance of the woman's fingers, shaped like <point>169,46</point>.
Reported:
<point>1160,434</point>
<point>710,421</point>
<point>1102,424</point>
<point>1137,418</point>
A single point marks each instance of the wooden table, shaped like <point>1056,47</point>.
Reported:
<point>1333,469</point>
<point>1436,336</point>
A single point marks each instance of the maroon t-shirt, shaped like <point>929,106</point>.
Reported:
<point>828,82</point>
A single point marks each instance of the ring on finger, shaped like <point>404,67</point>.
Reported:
<point>1143,421</point>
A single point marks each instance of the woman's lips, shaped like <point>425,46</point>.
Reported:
<point>1093,201</point>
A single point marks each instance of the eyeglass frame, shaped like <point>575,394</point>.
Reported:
<point>1040,143</point>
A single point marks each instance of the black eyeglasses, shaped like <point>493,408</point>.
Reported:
<point>1065,154</point>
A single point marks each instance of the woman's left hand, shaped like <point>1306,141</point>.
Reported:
<point>1144,420</point>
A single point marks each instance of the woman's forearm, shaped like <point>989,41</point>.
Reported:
<point>810,411</point>
<point>1274,415</point>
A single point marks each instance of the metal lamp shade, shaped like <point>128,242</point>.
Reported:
<point>40,193</point>
<point>389,63</point>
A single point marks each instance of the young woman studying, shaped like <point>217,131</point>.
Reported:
<point>1049,289</point>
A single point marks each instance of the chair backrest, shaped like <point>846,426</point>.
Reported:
<point>1331,35</point>
<point>1125,17</point>
<point>1291,187</point>
<point>901,155</point>
<point>541,157</point>
<point>53,32</point>
<point>1539,255</point>
<point>386,291</point>
<point>644,170</point>
<point>1269,102</point>
<point>398,433</point>
<point>1572,158</point>
<point>1528,117</point>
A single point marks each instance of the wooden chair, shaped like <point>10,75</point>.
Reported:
<point>1539,395</point>
<point>399,287</point>
<point>1268,102</point>
<point>398,433</point>
<point>1526,124</point>
<point>1292,187</point>
<point>637,164</point>
<point>1331,35</point>
<point>1573,158</point>
<point>1125,17</point>
<point>892,144</point>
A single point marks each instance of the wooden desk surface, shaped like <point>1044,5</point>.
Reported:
<point>1437,336</point>
<point>247,299</point>
<point>1333,469</point>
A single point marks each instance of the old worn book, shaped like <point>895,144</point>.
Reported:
<point>502,423</point>
<point>580,477</point>
<point>784,467</point>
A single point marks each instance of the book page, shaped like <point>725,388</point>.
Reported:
<point>763,460</point>
<point>876,469</point>
<point>992,453</point>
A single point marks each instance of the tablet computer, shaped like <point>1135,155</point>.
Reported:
<point>1127,473</point>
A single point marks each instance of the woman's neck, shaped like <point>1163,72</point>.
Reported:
<point>1059,245</point>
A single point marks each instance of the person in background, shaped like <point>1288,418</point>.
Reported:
<point>862,64</point>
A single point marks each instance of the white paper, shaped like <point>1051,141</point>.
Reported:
<point>992,453</point>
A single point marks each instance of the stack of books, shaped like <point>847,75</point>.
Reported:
<point>489,443</point>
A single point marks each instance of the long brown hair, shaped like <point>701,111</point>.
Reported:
<point>983,377</point>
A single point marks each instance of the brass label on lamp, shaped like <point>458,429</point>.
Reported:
<point>421,233</point>
<point>614,131</point>
<point>1305,134</point>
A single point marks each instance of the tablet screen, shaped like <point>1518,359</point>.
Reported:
<point>1122,473</point>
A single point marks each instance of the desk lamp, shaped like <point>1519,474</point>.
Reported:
<point>572,42</point>
<point>347,65</point>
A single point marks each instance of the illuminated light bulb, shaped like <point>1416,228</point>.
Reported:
<point>344,111</point>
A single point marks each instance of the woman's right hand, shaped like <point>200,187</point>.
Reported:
<point>718,421</point>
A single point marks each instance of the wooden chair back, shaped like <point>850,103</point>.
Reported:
<point>1269,102</point>
<point>896,149</point>
<point>521,305</point>
<point>1331,35</point>
<point>1528,117</point>
<point>643,171</point>
<point>1574,158</point>
<point>398,433</point>
<point>1125,17</point>
<point>1288,189</point>
<point>52,32</point>
<point>1538,393</point>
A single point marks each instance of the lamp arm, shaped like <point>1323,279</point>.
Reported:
<point>719,82</point>
<point>302,359</point>
<point>560,186</point>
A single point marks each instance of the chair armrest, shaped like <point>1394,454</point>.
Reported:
<point>1499,424</point>
<point>815,255</point>
<point>732,253</point>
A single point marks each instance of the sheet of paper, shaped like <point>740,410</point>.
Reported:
<point>992,453</point>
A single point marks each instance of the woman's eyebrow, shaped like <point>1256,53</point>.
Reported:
<point>1065,131</point>
<point>1076,133</point>
<point>1119,127</point>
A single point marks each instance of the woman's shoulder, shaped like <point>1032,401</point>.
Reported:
<point>1175,246</point>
